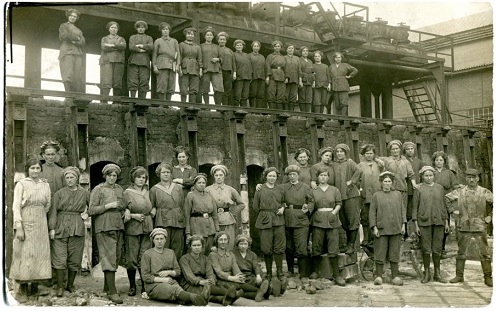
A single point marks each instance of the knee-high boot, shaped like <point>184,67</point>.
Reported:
<point>290,262</point>
<point>218,97</point>
<point>141,280</point>
<point>315,262</point>
<point>426,264</point>
<point>437,276</point>
<point>132,281</point>
<point>351,238</point>
<point>168,96</point>
<point>59,275</point>
<point>192,98</point>
<point>459,271</point>
<point>142,94</point>
<point>303,264</point>
<point>205,96</point>
<point>278,258</point>
<point>183,98</point>
<point>253,102</point>
<point>339,280</point>
<point>71,276</point>
<point>268,260</point>
<point>110,279</point>
<point>116,92</point>
<point>486,266</point>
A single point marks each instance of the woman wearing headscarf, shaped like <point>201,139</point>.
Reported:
<point>168,200</point>
<point>161,270</point>
<point>67,229</point>
<point>139,211</point>
<point>201,213</point>
<point>70,55</point>
<point>107,206</point>
<point>112,61</point>
<point>430,216</point>
<point>31,248</point>
<point>229,203</point>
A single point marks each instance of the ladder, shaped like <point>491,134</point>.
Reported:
<point>423,103</point>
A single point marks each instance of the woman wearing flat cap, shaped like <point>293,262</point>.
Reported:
<point>107,207</point>
<point>326,157</point>
<point>242,76</point>
<point>201,212</point>
<point>67,229</point>
<point>228,201</point>
<point>112,61</point>
<point>71,55</point>
<point>140,47</point>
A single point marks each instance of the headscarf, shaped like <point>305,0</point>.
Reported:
<point>426,168</point>
<point>111,166</point>
<point>199,175</point>
<point>394,142</point>
<point>71,170</point>
<point>324,150</point>
<point>344,147</point>
<point>224,34</point>
<point>157,231</point>
<point>239,41</point>
<point>408,144</point>
<point>386,174</point>
<point>221,167</point>
<point>243,237</point>
<point>141,23</point>
<point>292,168</point>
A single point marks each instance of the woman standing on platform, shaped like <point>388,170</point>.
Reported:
<point>191,66</point>
<point>139,211</point>
<point>275,77</point>
<point>257,91</point>
<point>228,201</point>
<point>140,46</point>
<point>387,218</point>
<point>340,74</point>
<point>166,59</point>
<point>321,85</point>
<point>201,213</point>
<point>183,173</point>
<point>293,75</point>
<point>212,73</point>
<point>107,206</point>
<point>242,76</point>
<point>430,216</point>
<point>71,55</point>
<point>168,199</point>
<point>160,271</point>
<point>112,61</point>
<point>269,206</point>
<point>305,91</point>
<point>326,224</point>
<point>31,247</point>
<point>228,68</point>
<point>445,177</point>
<point>67,229</point>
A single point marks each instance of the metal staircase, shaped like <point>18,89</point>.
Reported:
<point>324,26</point>
<point>424,104</point>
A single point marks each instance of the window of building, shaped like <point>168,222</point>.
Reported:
<point>14,65</point>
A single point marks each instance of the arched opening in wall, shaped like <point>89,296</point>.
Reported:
<point>96,177</point>
<point>206,169</point>
<point>153,179</point>
<point>254,175</point>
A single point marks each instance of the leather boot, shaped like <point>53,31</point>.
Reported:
<point>486,266</point>
<point>110,279</point>
<point>132,282</point>
<point>261,292</point>
<point>195,299</point>
<point>132,94</point>
<point>192,98</point>
<point>183,98</point>
<point>116,92</point>
<point>302,107</point>
<point>303,264</point>
<point>426,264</point>
<point>71,276</point>
<point>339,280</point>
<point>278,258</point>
<point>59,274</point>
<point>168,96</point>
<point>268,260</point>
<point>437,277</point>
<point>351,242</point>
<point>252,102</point>
<point>205,96</point>
<point>217,299</point>
<point>218,97</point>
<point>290,263</point>
<point>459,271</point>
<point>22,293</point>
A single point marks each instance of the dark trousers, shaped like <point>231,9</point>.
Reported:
<point>276,93</point>
<point>273,240</point>
<point>292,90</point>
<point>71,67</point>
<point>320,99</point>
<point>257,93</point>
<point>322,235</point>
<point>135,246</point>
<point>431,239</point>
<point>241,93</point>
<point>67,253</point>
<point>349,214</point>
<point>341,100</point>
<point>111,76</point>
<point>228,88</point>
<point>296,240</point>
<point>189,85</point>
<point>109,245</point>
<point>138,78</point>
<point>175,240</point>
<point>387,247</point>
<point>464,240</point>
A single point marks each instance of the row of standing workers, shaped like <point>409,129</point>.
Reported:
<point>285,82</point>
<point>311,205</point>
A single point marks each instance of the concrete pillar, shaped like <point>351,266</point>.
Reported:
<point>387,102</point>
<point>316,126</point>
<point>32,66</point>
<point>280,146</point>
<point>415,132</point>
<point>442,140</point>
<point>189,133</point>
<point>136,120</point>
<point>384,137</point>
<point>365,98</point>
<point>469,145</point>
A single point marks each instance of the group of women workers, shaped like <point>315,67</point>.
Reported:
<point>238,78</point>
<point>154,225</point>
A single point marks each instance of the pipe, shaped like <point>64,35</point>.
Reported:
<point>389,66</point>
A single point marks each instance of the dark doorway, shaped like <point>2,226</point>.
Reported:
<point>254,174</point>
<point>153,179</point>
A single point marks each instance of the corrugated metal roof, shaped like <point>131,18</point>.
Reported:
<point>460,24</point>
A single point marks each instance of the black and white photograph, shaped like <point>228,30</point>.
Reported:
<point>248,154</point>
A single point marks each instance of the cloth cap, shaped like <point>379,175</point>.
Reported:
<point>472,172</point>
<point>269,170</point>
<point>113,167</point>
<point>199,175</point>
<point>344,147</point>
<point>276,42</point>
<point>222,33</point>
<point>189,29</point>
<point>394,142</point>
<point>426,168</point>
<point>209,29</point>
<point>141,23</point>
<point>158,231</point>
<point>71,170</point>
<point>219,167</point>
<point>325,149</point>
<point>239,41</point>
<point>408,144</point>
<point>243,237</point>
<point>292,168</point>
<point>387,174</point>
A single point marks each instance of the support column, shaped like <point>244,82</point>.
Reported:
<point>238,175</point>
<point>415,132</point>
<point>352,135</point>
<point>32,66</point>
<point>136,123</point>
<point>365,98</point>
<point>387,101</point>
<point>280,147</point>
<point>189,130</point>
<point>439,75</point>
<point>384,137</point>
<point>317,136</point>
<point>469,146</point>
<point>442,140</point>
